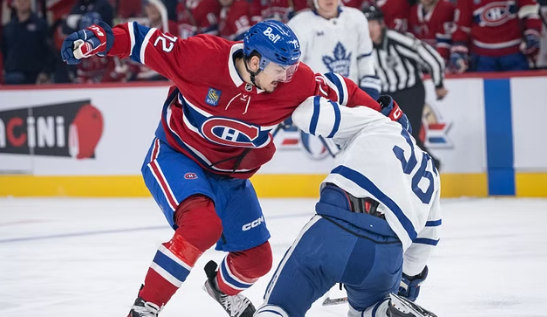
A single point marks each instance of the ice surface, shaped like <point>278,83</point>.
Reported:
<point>88,257</point>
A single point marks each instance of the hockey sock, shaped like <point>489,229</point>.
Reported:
<point>240,270</point>
<point>199,228</point>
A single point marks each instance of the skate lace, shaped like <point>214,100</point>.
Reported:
<point>234,305</point>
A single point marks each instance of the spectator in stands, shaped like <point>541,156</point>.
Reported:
<point>26,47</point>
<point>102,7</point>
<point>281,10</point>
<point>501,36</point>
<point>432,21</point>
<point>170,7</point>
<point>234,19</point>
<point>198,17</point>
<point>396,12</point>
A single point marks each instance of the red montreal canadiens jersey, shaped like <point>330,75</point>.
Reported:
<point>396,13</point>
<point>493,27</point>
<point>434,27</point>
<point>211,115</point>
<point>235,20</point>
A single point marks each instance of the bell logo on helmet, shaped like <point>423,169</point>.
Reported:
<point>273,37</point>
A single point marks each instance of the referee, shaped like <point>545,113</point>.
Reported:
<point>399,60</point>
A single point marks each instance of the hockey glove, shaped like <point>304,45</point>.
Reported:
<point>459,56</point>
<point>94,40</point>
<point>390,108</point>
<point>410,285</point>
<point>530,44</point>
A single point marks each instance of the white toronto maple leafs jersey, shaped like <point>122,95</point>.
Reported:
<point>341,45</point>
<point>380,159</point>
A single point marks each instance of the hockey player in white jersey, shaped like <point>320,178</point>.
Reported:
<point>336,39</point>
<point>377,219</point>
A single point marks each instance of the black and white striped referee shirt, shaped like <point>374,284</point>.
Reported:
<point>399,61</point>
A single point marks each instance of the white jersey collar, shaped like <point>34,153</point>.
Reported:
<point>234,75</point>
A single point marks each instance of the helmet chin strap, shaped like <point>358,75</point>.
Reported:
<point>253,74</point>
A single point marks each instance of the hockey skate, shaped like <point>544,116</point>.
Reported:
<point>237,305</point>
<point>142,308</point>
<point>402,307</point>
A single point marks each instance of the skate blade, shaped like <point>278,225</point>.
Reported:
<point>334,301</point>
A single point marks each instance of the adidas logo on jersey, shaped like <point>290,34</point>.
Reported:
<point>273,37</point>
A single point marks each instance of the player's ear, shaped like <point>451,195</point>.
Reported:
<point>254,63</point>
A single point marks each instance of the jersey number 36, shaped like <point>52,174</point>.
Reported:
<point>422,172</point>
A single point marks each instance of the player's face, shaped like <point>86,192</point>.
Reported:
<point>375,29</point>
<point>327,6</point>
<point>22,5</point>
<point>273,74</point>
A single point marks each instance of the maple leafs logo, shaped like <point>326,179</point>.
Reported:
<point>340,63</point>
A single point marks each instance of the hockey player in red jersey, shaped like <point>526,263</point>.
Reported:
<point>432,22</point>
<point>215,133</point>
<point>499,35</point>
<point>234,19</point>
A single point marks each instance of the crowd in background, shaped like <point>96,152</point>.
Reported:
<point>32,31</point>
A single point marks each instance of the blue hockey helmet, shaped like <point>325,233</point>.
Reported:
<point>274,41</point>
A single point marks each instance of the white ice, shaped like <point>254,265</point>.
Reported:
<point>88,257</point>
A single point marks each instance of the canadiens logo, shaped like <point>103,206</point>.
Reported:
<point>496,13</point>
<point>190,176</point>
<point>231,132</point>
<point>434,131</point>
<point>213,96</point>
<point>340,62</point>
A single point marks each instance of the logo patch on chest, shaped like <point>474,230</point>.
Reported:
<point>340,62</point>
<point>213,96</point>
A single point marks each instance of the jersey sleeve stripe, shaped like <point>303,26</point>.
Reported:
<point>426,241</point>
<point>131,29</point>
<point>315,116</point>
<point>337,116</point>
<point>365,183</point>
<point>434,223</point>
<point>145,44</point>
<point>139,32</point>
<point>340,87</point>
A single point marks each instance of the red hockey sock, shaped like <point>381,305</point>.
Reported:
<point>240,270</point>
<point>199,228</point>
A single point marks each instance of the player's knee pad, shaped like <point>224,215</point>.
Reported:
<point>271,311</point>
<point>198,222</point>
<point>252,263</point>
